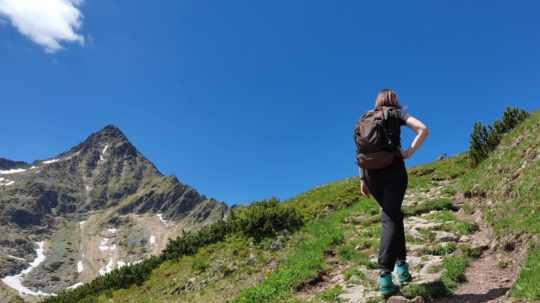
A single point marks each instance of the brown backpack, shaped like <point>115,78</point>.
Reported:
<point>373,135</point>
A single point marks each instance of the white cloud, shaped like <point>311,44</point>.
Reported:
<point>46,22</point>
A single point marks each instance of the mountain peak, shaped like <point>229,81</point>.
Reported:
<point>109,136</point>
<point>110,131</point>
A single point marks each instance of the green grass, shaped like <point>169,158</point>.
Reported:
<point>428,291</point>
<point>443,249</point>
<point>509,178</point>
<point>448,169</point>
<point>304,263</point>
<point>430,205</point>
<point>453,273</point>
<point>207,276</point>
<point>330,294</point>
<point>327,198</point>
<point>470,252</point>
<point>466,228</point>
<point>347,252</point>
<point>526,286</point>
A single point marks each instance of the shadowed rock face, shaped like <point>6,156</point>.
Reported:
<point>6,164</point>
<point>104,177</point>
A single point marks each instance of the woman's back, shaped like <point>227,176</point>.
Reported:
<point>388,186</point>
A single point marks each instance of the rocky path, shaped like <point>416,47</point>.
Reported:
<point>490,277</point>
<point>430,238</point>
<point>437,229</point>
<point>486,282</point>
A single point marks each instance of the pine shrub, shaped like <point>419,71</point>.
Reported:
<point>485,138</point>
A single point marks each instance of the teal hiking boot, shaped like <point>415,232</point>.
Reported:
<point>386,286</point>
<point>401,270</point>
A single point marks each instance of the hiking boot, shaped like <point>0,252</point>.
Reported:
<point>401,270</point>
<point>386,286</point>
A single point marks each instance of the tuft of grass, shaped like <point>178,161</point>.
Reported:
<point>470,252</point>
<point>454,271</point>
<point>526,286</point>
<point>351,272</point>
<point>442,249</point>
<point>347,252</point>
<point>428,291</point>
<point>466,228</point>
<point>200,265</point>
<point>430,205</point>
<point>331,294</point>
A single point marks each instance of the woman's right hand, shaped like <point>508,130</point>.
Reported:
<point>364,189</point>
<point>406,153</point>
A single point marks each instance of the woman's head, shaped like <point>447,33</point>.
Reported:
<point>387,97</point>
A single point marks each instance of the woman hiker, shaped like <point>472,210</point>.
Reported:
<point>389,183</point>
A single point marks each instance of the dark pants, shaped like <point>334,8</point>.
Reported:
<point>388,186</point>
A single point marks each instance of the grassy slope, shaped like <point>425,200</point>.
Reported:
<point>509,178</point>
<point>275,275</point>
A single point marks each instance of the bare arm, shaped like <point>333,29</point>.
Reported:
<point>421,131</point>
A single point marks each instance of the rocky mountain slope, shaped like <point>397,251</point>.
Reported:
<point>99,206</point>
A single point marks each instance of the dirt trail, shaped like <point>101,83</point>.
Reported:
<point>487,279</point>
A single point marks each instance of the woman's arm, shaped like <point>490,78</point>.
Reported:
<point>421,131</point>
<point>363,185</point>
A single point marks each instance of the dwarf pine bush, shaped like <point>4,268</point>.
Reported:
<point>485,138</point>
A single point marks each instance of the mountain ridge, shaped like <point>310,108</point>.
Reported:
<point>110,193</point>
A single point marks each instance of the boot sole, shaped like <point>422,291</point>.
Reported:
<point>389,294</point>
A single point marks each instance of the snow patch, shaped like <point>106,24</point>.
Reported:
<point>160,216</point>
<point>12,171</point>
<point>112,230</point>
<point>103,245</point>
<point>102,155</point>
<point>120,264</point>
<point>6,182</point>
<point>61,159</point>
<point>80,267</point>
<point>152,239</point>
<point>79,284</point>
<point>107,268</point>
<point>81,223</point>
<point>50,161</point>
<point>15,281</point>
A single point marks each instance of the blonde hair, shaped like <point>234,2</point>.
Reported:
<point>387,97</point>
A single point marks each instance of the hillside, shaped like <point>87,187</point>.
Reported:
<point>99,206</point>
<point>472,237</point>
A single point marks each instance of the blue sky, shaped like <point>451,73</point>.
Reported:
<point>250,99</point>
